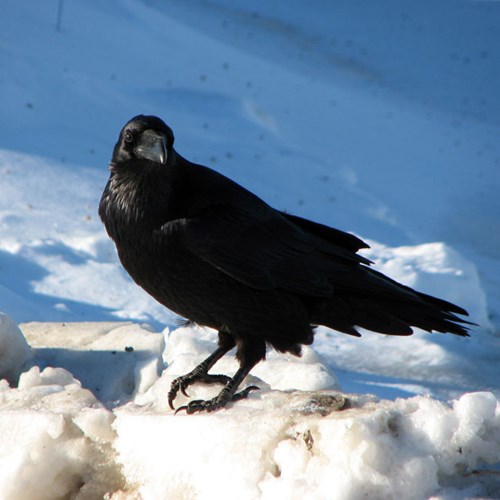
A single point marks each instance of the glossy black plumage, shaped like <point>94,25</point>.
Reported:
<point>218,255</point>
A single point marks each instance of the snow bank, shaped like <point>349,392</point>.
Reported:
<point>274,446</point>
<point>60,439</point>
<point>55,439</point>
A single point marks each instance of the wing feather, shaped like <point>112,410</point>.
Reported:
<point>265,250</point>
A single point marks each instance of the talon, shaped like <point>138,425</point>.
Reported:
<point>171,397</point>
<point>181,408</point>
<point>172,393</point>
<point>178,383</point>
<point>199,405</point>
<point>244,393</point>
<point>183,382</point>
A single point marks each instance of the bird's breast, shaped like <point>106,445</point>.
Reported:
<point>173,276</point>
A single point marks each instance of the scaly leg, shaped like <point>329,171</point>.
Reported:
<point>199,374</point>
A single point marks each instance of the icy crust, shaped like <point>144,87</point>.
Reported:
<point>59,439</point>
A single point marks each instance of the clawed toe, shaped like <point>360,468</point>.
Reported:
<point>199,374</point>
<point>196,406</point>
<point>244,393</point>
<point>181,408</point>
<point>199,405</point>
<point>175,386</point>
<point>182,383</point>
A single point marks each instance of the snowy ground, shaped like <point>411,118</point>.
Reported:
<point>90,418</point>
<point>380,118</point>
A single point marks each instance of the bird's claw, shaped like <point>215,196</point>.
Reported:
<point>199,405</point>
<point>175,386</point>
<point>183,382</point>
<point>244,393</point>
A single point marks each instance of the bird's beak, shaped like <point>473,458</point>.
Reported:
<point>151,145</point>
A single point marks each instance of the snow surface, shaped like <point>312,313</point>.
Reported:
<point>302,441</point>
<point>380,118</point>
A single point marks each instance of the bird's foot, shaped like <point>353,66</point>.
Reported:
<point>183,382</point>
<point>224,397</point>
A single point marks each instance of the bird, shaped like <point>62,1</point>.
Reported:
<point>219,256</point>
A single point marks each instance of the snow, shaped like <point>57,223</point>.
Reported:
<point>377,118</point>
<point>59,439</point>
<point>14,350</point>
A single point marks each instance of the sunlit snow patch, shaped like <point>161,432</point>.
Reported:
<point>60,439</point>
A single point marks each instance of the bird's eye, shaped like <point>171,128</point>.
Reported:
<point>128,137</point>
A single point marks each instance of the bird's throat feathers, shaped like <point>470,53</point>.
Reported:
<point>140,197</point>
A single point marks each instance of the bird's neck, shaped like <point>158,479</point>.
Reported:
<point>140,201</point>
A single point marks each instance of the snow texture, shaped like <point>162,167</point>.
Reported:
<point>380,118</point>
<point>302,441</point>
<point>14,350</point>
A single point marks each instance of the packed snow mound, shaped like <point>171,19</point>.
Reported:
<point>114,360</point>
<point>60,438</point>
<point>56,439</point>
<point>14,350</point>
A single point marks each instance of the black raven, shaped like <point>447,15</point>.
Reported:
<point>219,256</point>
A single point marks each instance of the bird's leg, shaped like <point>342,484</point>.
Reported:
<point>250,351</point>
<point>199,374</point>
<point>227,394</point>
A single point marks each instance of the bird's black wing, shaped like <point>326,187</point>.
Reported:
<point>336,236</point>
<point>262,248</point>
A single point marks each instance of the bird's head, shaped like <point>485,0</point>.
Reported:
<point>144,138</point>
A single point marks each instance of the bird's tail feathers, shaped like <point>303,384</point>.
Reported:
<point>390,315</point>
